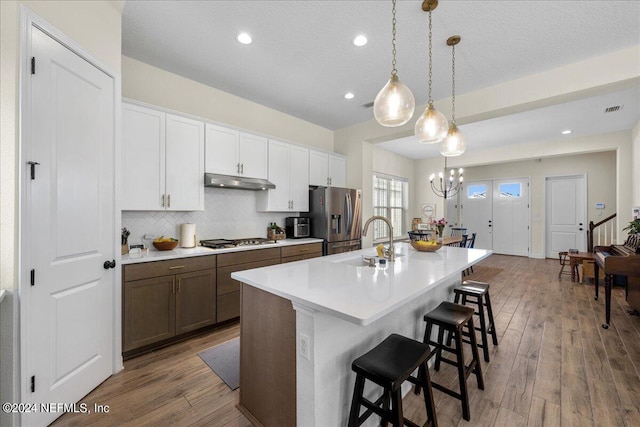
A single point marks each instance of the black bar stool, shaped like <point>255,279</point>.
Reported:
<point>477,293</point>
<point>389,364</point>
<point>452,318</point>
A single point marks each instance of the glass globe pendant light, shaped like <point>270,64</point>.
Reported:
<point>395,103</point>
<point>432,125</point>
<point>455,143</point>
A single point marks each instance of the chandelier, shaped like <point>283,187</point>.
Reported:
<point>447,188</point>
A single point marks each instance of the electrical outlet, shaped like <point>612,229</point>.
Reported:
<point>303,347</point>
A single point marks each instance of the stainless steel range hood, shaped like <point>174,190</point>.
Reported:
<point>238,182</point>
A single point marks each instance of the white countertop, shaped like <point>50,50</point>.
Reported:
<point>155,255</point>
<point>2,292</point>
<point>361,294</point>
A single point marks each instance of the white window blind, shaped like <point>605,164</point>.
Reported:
<point>390,199</point>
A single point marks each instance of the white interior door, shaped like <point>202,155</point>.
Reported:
<point>67,315</point>
<point>511,216</point>
<point>476,211</point>
<point>565,212</point>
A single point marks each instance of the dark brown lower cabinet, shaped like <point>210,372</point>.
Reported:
<point>228,288</point>
<point>176,301</point>
<point>149,311</point>
<point>195,300</point>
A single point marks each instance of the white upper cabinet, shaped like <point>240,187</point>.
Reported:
<point>184,164</point>
<point>162,161</point>
<point>288,171</point>
<point>221,152</point>
<point>253,155</point>
<point>143,156</point>
<point>337,171</point>
<point>230,152</point>
<point>328,170</point>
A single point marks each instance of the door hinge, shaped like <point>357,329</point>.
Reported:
<point>33,169</point>
<point>33,65</point>
<point>33,383</point>
<point>33,277</point>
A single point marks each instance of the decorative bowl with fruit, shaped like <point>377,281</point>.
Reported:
<point>423,242</point>
<point>165,243</point>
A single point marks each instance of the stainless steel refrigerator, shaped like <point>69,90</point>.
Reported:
<point>336,217</point>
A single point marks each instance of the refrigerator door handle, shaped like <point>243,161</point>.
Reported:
<point>349,213</point>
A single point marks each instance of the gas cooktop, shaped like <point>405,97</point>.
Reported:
<point>234,243</point>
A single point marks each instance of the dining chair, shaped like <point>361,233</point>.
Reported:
<point>458,231</point>
<point>470,243</point>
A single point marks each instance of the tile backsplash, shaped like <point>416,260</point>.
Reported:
<point>229,214</point>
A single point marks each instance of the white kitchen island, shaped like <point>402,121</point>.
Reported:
<point>303,323</point>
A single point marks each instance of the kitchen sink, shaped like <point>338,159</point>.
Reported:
<point>360,260</point>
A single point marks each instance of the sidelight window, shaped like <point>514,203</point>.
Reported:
<point>390,199</point>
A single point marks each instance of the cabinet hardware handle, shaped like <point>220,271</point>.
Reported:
<point>169,201</point>
<point>179,283</point>
<point>162,202</point>
<point>177,267</point>
<point>242,168</point>
<point>330,181</point>
<point>237,167</point>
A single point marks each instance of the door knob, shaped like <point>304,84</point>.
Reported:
<point>109,264</point>
<point>580,228</point>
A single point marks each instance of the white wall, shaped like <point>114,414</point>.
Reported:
<point>153,85</point>
<point>601,179</point>
<point>94,25</point>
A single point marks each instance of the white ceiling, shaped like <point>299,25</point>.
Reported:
<point>302,60</point>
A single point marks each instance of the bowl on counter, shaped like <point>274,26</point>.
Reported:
<point>166,246</point>
<point>423,241</point>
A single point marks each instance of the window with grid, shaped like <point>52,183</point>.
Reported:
<point>389,200</point>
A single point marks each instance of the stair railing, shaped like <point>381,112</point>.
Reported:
<point>604,232</point>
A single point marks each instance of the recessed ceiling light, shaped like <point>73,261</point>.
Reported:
<point>360,40</point>
<point>244,38</point>
<point>566,132</point>
<point>348,95</point>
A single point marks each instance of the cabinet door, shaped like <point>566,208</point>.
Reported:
<point>143,158</point>
<point>222,150</point>
<point>318,168</point>
<point>253,156</point>
<point>337,171</point>
<point>195,300</point>
<point>149,311</point>
<point>299,178</point>
<point>278,199</point>
<point>184,164</point>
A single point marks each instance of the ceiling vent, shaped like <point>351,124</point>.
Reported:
<point>368,104</point>
<point>613,109</point>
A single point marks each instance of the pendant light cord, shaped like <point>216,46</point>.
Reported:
<point>430,70</point>
<point>394,71</point>
<point>453,84</point>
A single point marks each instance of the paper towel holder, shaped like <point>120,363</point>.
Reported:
<point>188,235</point>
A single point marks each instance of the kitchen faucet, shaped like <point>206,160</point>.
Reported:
<point>390,252</point>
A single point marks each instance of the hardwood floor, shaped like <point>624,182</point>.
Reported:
<point>554,365</point>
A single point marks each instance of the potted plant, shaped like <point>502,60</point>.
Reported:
<point>633,227</point>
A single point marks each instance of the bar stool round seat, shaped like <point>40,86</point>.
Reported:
<point>389,364</point>
<point>477,293</point>
<point>453,318</point>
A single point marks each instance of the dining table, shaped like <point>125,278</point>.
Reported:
<point>451,240</point>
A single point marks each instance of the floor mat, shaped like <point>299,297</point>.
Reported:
<point>224,360</point>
